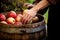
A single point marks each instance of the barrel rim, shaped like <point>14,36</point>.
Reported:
<point>22,30</point>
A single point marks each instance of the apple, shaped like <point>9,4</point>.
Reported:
<point>4,22</point>
<point>20,15</point>
<point>35,19</point>
<point>12,14</point>
<point>2,17</point>
<point>18,18</point>
<point>10,20</point>
<point>18,23</point>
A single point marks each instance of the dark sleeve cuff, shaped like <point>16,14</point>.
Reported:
<point>52,2</point>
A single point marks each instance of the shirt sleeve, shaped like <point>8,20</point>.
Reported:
<point>37,1</point>
<point>53,2</point>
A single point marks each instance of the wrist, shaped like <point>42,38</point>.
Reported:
<point>34,10</point>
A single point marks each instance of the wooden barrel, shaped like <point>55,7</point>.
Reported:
<point>35,31</point>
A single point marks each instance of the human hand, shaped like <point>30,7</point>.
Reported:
<point>28,15</point>
<point>28,5</point>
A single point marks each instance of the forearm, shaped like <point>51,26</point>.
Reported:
<point>41,5</point>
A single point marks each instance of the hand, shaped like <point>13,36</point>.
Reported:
<point>28,15</point>
<point>28,5</point>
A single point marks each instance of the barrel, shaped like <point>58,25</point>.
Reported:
<point>34,31</point>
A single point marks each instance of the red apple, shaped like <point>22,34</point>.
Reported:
<point>18,18</point>
<point>2,17</point>
<point>18,23</point>
<point>20,15</point>
<point>12,14</point>
<point>4,22</point>
<point>10,20</point>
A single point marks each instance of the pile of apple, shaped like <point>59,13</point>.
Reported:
<point>13,18</point>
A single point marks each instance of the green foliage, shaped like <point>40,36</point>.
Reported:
<point>31,1</point>
<point>8,5</point>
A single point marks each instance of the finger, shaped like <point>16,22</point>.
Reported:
<point>29,5</point>
<point>29,18</point>
<point>23,17</point>
<point>26,4</point>
<point>26,19</point>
